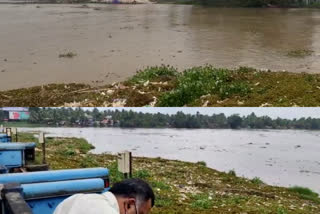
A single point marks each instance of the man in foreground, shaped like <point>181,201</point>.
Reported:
<point>131,196</point>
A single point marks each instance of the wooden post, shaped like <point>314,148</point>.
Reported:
<point>42,141</point>
<point>125,163</point>
<point>14,132</point>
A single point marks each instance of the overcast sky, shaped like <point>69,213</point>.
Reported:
<point>288,113</point>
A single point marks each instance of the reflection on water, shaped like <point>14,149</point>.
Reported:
<point>278,157</point>
<point>115,40</point>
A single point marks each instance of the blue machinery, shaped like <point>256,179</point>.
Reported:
<point>15,155</point>
<point>40,192</point>
<point>4,138</point>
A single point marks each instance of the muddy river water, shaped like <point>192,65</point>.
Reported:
<point>112,41</point>
<point>284,158</point>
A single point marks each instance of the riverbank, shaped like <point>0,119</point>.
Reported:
<point>183,187</point>
<point>165,86</point>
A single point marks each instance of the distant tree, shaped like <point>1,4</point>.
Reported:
<point>235,121</point>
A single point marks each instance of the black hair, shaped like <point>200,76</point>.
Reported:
<point>134,188</point>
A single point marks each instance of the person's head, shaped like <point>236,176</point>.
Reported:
<point>134,196</point>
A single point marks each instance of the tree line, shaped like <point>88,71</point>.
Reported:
<point>131,119</point>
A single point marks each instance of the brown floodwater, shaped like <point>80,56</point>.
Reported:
<point>112,41</point>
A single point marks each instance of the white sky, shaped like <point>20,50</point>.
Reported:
<point>289,113</point>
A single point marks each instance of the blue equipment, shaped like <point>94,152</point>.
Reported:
<point>41,192</point>
<point>15,155</point>
<point>4,138</point>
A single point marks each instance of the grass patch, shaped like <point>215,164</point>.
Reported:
<point>160,185</point>
<point>142,174</point>
<point>305,193</point>
<point>201,201</point>
<point>281,210</point>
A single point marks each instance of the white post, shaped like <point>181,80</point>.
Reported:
<point>125,163</point>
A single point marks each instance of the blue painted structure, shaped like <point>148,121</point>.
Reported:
<point>54,175</point>
<point>45,197</point>
<point>43,191</point>
<point>12,155</point>
<point>4,138</point>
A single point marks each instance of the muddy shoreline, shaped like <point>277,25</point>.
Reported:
<point>165,86</point>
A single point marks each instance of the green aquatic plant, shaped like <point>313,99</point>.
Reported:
<point>162,72</point>
<point>300,53</point>
<point>67,55</point>
<point>198,81</point>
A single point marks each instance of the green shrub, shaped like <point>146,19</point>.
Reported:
<point>115,175</point>
<point>256,180</point>
<point>305,193</point>
<point>151,73</point>
<point>202,163</point>
<point>232,173</point>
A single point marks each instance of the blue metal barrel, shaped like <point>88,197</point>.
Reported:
<point>54,175</point>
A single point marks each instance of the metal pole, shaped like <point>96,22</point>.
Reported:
<point>42,141</point>
<point>130,162</point>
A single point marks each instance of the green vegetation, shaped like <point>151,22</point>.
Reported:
<point>67,55</point>
<point>26,124</point>
<point>232,172</point>
<point>257,181</point>
<point>162,73</point>
<point>165,86</point>
<point>305,193</point>
<point>196,82</point>
<point>202,163</point>
<point>300,53</point>
<point>183,187</point>
<point>201,201</point>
